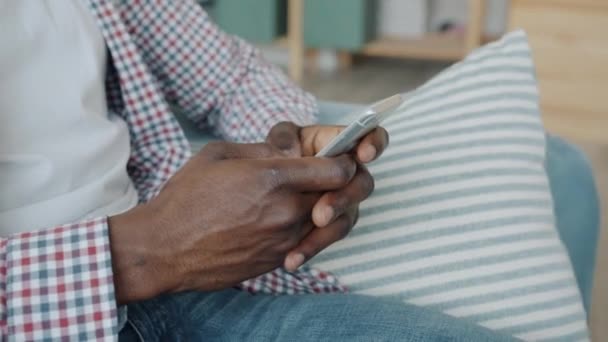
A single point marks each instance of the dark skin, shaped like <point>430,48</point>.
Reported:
<point>336,211</point>
<point>236,211</point>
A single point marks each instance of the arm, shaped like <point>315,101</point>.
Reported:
<point>64,282</point>
<point>218,80</point>
<point>53,281</point>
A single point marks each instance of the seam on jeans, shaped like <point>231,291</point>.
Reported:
<point>141,338</point>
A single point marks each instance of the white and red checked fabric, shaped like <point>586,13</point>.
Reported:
<point>56,284</point>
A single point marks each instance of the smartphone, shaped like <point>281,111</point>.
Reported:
<point>370,118</point>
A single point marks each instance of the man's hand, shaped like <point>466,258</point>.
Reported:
<point>231,213</point>
<point>336,212</point>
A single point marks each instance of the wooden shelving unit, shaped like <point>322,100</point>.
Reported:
<point>295,38</point>
<point>431,46</point>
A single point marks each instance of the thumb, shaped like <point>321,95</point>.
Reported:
<point>314,138</point>
<point>285,137</point>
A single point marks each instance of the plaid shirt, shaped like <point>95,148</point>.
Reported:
<point>56,283</point>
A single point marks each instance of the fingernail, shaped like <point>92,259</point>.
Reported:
<point>327,214</point>
<point>368,153</point>
<point>294,261</point>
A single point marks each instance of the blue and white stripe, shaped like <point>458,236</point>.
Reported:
<point>461,219</point>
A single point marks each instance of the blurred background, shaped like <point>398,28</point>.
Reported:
<point>363,50</point>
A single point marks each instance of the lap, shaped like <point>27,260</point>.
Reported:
<point>232,315</point>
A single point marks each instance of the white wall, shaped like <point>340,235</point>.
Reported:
<point>402,18</point>
<point>456,10</point>
<point>409,18</point>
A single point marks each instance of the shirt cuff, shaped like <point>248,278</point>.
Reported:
<point>59,284</point>
<point>122,316</point>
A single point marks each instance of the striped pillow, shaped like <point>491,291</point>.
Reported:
<point>461,219</point>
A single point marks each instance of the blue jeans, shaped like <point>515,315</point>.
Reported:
<point>232,315</point>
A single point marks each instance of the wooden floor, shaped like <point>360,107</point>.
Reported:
<point>374,79</point>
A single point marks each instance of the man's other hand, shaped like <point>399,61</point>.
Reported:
<point>336,211</point>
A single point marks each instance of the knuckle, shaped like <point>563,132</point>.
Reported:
<point>284,136</point>
<point>343,170</point>
<point>265,150</point>
<point>272,175</point>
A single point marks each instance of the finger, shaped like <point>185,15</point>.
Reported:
<point>305,203</point>
<point>226,150</point>
<point>316,241</point>
<point>308,200</point>
<point>314,138</point>
<point>333,204</point>
<point>310,174</point>
<point>285,136</point>
<point>305,229</point>
<point>372,145</point>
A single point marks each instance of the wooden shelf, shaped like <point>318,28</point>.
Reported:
<point>435,47</point>
<point>431,46</point>
<point>281,41</point>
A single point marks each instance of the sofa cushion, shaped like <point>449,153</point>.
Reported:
<point>462,216</point>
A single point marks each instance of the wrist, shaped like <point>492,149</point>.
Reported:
<point>136,267</point>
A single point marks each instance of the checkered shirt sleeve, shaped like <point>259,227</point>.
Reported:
<point>218,80</point>
<point>56,284</point>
